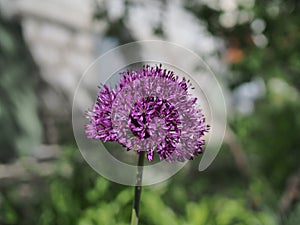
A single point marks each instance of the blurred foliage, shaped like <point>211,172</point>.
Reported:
<point>295,215</point>
<point>76,195</point>
<point>20,125</point>
<point>265,46</point>
<point>276,158</point>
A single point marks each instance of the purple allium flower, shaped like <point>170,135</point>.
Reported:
<point>150,110</point>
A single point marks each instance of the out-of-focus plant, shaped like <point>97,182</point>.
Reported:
<point>262,43</point>
<point>21,128</point>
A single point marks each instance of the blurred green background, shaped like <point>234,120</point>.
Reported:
<point>254,180</point>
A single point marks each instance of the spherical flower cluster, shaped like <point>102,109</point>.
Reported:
<point>149,110</point>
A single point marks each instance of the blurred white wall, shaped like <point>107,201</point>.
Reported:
<point>64,39</point>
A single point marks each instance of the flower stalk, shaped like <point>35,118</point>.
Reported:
<point>138,190</point>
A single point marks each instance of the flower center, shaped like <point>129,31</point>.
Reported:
<point>148,108</point>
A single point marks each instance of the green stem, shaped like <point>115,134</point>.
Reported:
<point>138,190</point>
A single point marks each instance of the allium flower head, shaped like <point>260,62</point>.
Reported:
<point>149,110</point>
